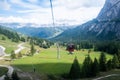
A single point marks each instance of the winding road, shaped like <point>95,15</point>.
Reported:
<point>10,71</point>
<point>20,47</point>
<point>2,54</point>
<point>2,51</point>
<point>100,78</point>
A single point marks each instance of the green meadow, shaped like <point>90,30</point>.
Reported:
<point>8,44</point>
<point>46,61</point>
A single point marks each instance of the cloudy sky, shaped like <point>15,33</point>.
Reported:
<point>38,11</point>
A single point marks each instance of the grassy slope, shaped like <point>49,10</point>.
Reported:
<point>8,44</point>
<point>46,62</point>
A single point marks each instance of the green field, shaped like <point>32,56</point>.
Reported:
<point>8,44</point>
<point>3,71</point>
<point>46,61</point>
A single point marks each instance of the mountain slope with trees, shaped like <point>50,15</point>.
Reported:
<point>10,34</point>
<point>104,27</point>
<point>35,30</point>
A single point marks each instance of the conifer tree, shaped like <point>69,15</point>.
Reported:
<point>109,64</point>
<point>7,77</point>
<point>115,62</point>
<point>3,38</point>
<point>75,70</point>
<point>15,76</point>
<point>102,62</point>
<point>87,67</point>
<point>95,67</point>
<point>13,56</point>
<point>118,54</point>
<point>32,50</point>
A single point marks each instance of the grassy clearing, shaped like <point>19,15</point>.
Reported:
<point>3,71</point>
<point>27,48</point>
<point>8,44</point>
<point>46,61</point>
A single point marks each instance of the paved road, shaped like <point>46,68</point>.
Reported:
<point>10,71</point>
<point>2,54</point>
<point>2,51</point>
<point>20,47</point>
<point>100,78</point>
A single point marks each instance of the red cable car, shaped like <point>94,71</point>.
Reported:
<point>70,48</point>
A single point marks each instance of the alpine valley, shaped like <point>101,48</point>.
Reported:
<point>106,26</point>
<point>46,31</point>
<point>30,51</point>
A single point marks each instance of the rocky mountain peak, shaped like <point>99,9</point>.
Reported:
<point>105,27</point>
<point>110,11</point>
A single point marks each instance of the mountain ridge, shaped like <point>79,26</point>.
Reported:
<point>42,31</point>
<point>103,27</point>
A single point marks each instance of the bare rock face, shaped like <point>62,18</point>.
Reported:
<point>110,11</point>
<point>107,24</point>
<point>105,27</point>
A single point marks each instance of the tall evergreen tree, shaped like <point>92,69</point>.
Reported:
<point>95,67</point>
<point>7,77</point>
<point>13,56</point>
<point>87,67</point>
<point>23,39</point>
<point>32,50</point>
<point>115,61</point>
<point>3,38</point>
<point>102,62</point>
<point>109,64</point>
<point>15,76</point>
<point>118,54</point>
<point>75,70</point>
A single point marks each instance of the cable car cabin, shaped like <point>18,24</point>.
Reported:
<point>70,48</point>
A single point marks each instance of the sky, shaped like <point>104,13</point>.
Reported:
<point>70,12</point>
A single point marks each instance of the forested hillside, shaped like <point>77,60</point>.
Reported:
<point>10,34</point>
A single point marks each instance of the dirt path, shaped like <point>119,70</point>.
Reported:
<point>100,78</point>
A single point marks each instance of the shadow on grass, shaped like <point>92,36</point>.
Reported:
<point>48,68</point>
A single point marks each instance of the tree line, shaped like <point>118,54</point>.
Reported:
<point>10,34</point>
<point>15,37</point>
<point>79,45</point>
<point>92,68</point>
<point>40,42</point>
<point>110,47</point>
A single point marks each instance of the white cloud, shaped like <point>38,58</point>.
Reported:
<point>79,3</point>
<point>40,10</point>
<point>65,11</point>
<point>24,4</point>
<point>11,19</point>
<point>33,1</point>
<point>4,5</point>
<point>77,16</point>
